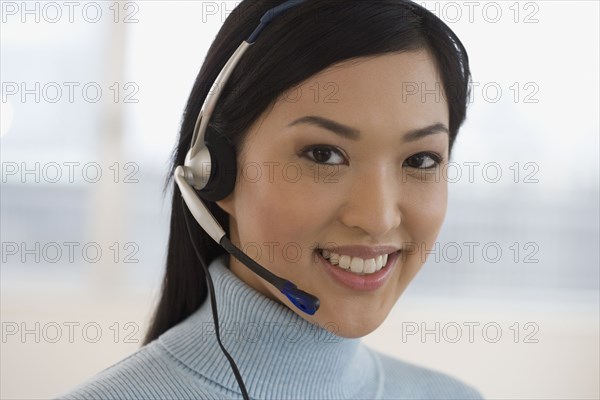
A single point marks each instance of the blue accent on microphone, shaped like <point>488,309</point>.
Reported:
<point>270,15</point>
<point>304,301</point>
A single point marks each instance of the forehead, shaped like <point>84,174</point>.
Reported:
<point>398,89</point>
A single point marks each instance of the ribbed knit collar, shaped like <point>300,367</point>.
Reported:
<point>278,353</point>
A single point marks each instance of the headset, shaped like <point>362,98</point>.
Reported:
<point>217,182</point>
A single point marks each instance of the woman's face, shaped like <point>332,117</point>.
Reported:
<point>352,157</point>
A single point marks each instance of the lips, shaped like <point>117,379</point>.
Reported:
<point>359,281</point>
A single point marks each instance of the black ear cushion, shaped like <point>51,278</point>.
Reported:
<point>223,169</point>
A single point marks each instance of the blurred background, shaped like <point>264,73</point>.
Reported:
<point>92,97</point>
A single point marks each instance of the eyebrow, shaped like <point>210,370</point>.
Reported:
<point>354,134</point>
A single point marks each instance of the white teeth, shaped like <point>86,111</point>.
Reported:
<point>333,258</point>
<point>370,266</point>
<point>345,262</point>
<point>356,264</point>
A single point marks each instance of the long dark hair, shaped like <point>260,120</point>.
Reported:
<point>295,46</point>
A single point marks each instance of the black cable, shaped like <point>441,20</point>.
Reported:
<point>213,302</point>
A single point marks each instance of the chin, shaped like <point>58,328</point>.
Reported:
<point>350,326</point>
<point>356,331</point>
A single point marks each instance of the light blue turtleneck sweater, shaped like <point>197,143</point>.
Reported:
<point>278,353</point>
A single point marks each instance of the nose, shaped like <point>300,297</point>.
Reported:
<point>373,203</point>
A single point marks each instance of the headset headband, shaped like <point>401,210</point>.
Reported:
<point>199,161</point>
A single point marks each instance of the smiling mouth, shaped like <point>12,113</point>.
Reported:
<point>356,265</point>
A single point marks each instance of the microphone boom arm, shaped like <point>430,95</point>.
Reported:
<point>304,301</point>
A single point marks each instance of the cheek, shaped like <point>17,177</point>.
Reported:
<point>278,212</point>
<point>426,212</point>
<point>423,218</point>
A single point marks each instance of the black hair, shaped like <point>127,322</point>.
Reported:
<point>292,48</point>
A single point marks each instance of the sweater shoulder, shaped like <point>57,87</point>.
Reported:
<point>412,381</point>
<point>149,373</point>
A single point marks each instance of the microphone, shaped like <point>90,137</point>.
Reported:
<point>304,301</point>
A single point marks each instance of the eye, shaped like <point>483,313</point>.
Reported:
<point>423,161</point>
<point>322,153</point>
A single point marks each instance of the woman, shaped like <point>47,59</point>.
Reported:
<point>324,149</point>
